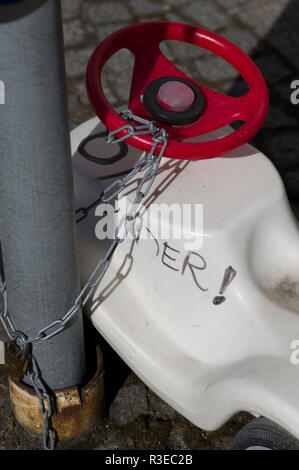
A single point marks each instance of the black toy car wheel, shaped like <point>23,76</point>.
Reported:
<point>263,434</point>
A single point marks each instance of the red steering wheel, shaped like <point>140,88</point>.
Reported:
<point>143,41</point>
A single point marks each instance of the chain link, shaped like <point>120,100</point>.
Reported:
<point>33,372</point>
<point>147,163</point>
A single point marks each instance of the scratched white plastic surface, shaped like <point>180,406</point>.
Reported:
<point>207,361</point>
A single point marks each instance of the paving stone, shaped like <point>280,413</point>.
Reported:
<point>215,69</point>
<point>261,16</point>
<point>295,205</point>
<point>242,38</point>
<point>283,89</point>
<point>73,104</point>
<point>277,118</point>
<point>284,35</point>
<point>132,379</point>
<point>110,445</point>
<point>230,5</point>
<point>106,12</point>
<point>282,147</point>
<point>110,95</point>
<point>176,440</point>
<point>226,86</point>
<point>120,85</point>
<point>129,403</point>
<point>77,112</point>
<point>160,409</point>
<point>82,116</point>
<point>167,50</point>
<point>105,30</point>
<point>166,7</point>
<point>2,398</point>
<point>272,67</point>
<point>110,441</point>
<point>190,70</point>
<point>177,3</point>
<point>122,61</point>
<point>223,442</point>
<point>76,61</point>
<point>73,33</point>
<point>145,7</point>
<point>81,93</point>
<point>237,88</point>
<point>171,16</point>
<point>291,181</point>
<point>206,14</point>
<point>183,51</point>
<point>70,8</point>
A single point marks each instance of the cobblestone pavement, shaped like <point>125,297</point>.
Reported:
<point>268,31</point>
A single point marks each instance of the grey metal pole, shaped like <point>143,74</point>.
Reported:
<point>37,228</point>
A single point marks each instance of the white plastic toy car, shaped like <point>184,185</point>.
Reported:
<point>208,327</point>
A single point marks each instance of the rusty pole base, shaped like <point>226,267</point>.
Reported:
<point>77,410</point>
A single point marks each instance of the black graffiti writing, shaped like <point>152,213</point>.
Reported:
<point>194,267</point>
<point>166,255</point>
<point>193,262</point>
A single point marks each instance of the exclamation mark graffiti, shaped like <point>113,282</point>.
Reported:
<point>229,275</point>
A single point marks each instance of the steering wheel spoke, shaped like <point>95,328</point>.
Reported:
<point>148,68</point>
<point>220,111</point>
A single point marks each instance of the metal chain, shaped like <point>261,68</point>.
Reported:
<point>147,163</point>
<point>39,385</point>
<point>33,372</point>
